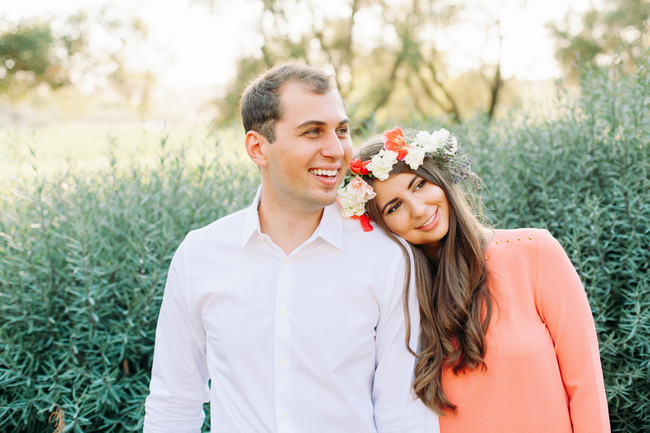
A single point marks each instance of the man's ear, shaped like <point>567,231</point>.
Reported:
<point>256,145</point>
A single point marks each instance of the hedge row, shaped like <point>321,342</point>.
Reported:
<point>83,257</point>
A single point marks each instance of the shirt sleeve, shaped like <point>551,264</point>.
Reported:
<point>396,407</point>
<point>563,306</point>
<point>179,377</point>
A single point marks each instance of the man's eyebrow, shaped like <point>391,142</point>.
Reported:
<point>311,123</point>
<point>320,123</point>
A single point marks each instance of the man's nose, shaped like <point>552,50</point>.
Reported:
<point>333,146</point>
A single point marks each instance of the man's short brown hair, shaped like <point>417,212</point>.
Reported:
<point>261,105</point>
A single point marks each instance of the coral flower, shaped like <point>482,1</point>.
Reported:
<point>394,141</point>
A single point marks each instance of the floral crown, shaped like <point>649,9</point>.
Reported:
<point>412,149</point>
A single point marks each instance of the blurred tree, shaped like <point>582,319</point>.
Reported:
<point>51,53</point>
<point>134,87</point>
<point>377,49</point>
<point>32,54</point>
<point>618,30</point>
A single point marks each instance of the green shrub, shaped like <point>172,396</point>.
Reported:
<point>83,265</point>
<point>83,257</point>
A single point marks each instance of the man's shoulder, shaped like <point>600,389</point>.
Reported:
<point>228,227</point>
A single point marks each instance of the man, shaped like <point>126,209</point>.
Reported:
<point>292,313</point>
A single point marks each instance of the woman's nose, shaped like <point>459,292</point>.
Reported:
<point>418,207</point>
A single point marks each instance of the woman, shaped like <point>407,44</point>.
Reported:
<point>507,340</point>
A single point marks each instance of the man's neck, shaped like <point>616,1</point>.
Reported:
<point>287,227</point>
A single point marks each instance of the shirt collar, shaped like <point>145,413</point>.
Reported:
<point>252,219</point>
<point>330,228</point>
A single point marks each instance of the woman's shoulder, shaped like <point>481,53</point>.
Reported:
<point>526,232</point>
<point>520,236</point>
<point>536,242</point>
<point>522,242</point>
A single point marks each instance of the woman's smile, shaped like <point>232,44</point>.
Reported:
<point>430,223</point>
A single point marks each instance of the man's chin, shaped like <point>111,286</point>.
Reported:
<point>324,199</point>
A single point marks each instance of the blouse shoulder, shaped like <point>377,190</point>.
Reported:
<point>521,239</point>
<point>524,247</point>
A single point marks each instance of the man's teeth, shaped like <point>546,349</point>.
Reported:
<point>320,172</point>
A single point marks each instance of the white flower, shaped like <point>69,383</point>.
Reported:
<point>425,140</point>
<point>431,142</point>
<point>354,196</point>
<point>346,198</point>
<point>440,136</point>
<point>382,163</point>
<point>452,146</point>
<point>415,157</point>
<point>357,210</point>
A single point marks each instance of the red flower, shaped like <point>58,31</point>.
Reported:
<point>365,222</point>
<point>394,141</point>
<point>359,167</point>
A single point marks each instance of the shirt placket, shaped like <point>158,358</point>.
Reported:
<point>282,346</point>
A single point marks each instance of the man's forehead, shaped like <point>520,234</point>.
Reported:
<point>299,101</point>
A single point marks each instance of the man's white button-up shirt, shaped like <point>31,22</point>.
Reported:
<point>310,342</point>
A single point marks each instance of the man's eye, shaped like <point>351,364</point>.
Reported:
<point>393,208</point>
<point>312,132</point>
<point>343,131</point>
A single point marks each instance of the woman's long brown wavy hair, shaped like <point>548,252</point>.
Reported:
<point>455,303</point>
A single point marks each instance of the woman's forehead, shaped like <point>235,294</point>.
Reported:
<point>392,186</point>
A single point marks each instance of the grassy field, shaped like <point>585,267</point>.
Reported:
<point>93,147</point>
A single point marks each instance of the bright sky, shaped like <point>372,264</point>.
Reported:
<point>190,47</point>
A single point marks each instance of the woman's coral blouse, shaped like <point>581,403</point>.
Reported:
<point>543,365</point>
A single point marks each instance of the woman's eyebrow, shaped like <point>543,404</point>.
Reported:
<point>413,180</point>
<point>416,177</point>
<point>389,203</point>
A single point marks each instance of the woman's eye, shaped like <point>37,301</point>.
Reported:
<point>419,185</point>
<point>393,208</point>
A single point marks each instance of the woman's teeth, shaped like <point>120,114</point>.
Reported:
<point>320,172</point>
<point>430,220</point>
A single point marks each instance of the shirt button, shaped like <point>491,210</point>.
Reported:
<point>284,363</point>
<point>285,415</point>
<point>287,261</point>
